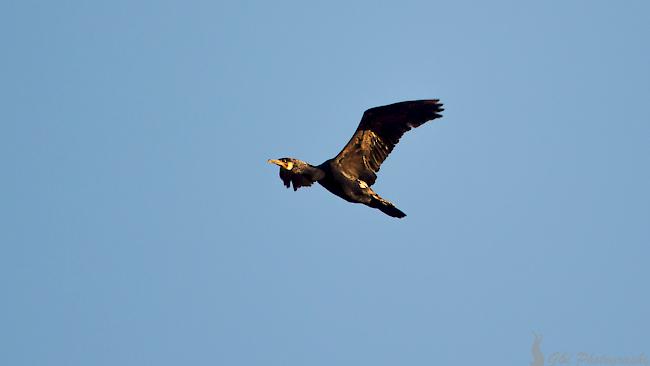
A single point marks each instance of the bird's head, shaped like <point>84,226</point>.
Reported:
<point>290,164</point>
<point>297,172</point>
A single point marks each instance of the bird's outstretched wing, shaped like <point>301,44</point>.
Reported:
<point>379,131</point>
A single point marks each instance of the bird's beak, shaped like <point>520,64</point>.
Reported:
<point>282,164</point>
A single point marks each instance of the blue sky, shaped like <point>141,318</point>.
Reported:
<point>142,225</point>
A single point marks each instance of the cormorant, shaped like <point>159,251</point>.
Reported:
<point>350,174</point>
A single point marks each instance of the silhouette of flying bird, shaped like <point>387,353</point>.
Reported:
<point>350,174</point>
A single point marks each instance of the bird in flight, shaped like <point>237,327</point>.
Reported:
<point>350,174</point>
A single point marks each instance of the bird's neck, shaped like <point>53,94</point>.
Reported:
<point>314,173</point>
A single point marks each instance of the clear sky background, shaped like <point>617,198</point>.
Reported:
<point>141,224</point>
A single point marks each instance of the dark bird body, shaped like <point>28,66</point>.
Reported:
<point>350,174</point>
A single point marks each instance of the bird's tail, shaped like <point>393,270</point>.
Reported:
<point>386,207</point>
